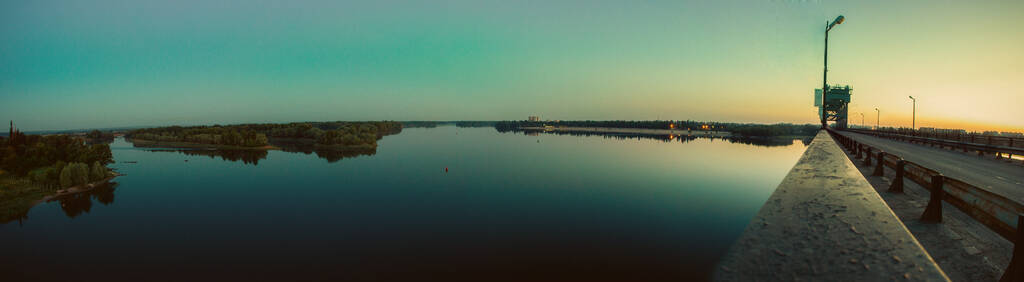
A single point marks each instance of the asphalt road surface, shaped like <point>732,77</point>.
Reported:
<point>997,176</point>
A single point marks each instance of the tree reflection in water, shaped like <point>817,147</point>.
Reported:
<point>757,141</point>
<point>253,157</point>
<point>332,155</point>
<point>78,203</point>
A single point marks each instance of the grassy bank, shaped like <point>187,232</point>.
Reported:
<point>19,194</point>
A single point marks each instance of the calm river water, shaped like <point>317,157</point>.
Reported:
<point>444,204</point>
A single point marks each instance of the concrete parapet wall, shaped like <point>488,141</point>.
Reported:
<point>825,222</point>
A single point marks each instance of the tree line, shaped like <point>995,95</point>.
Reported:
<point>420,124</point>
<point>96,136</point>
<point>741,129</point>
<point>54,159</point>
<point>474,123</point>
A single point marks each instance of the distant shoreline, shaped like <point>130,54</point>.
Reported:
<point>634,131</point>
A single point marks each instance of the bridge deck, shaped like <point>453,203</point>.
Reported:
<point>1006,179</point>
<point>825,222</point>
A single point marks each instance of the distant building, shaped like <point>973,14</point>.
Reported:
<point>1013,134</point>
<point>534,118</point>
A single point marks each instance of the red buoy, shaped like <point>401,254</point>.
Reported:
<point>445,169</point>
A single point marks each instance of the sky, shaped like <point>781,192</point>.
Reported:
<point>72,64</point>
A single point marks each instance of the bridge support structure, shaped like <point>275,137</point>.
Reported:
<point>880,167</point>
<point>1015,272</point>
<point>933,212</point>
<point>897,182</point>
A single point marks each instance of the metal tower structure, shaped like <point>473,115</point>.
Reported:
<point>836,105</point>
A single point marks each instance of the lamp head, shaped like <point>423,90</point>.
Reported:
<point>912,98</point>
<point>838,20</point>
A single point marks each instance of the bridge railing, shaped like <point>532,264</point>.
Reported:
<point>1009,141</point>
<point>982,144</point>
<point>998,213</point>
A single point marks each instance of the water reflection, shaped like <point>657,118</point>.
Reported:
<point>253,157</point>
<point>330,155</point>
<point>76,204</point>
<point>757,141</point>
<point>564,210</point>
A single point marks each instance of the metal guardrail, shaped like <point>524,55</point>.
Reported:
<point>1002,215</point>
<point>1010,141</point>
<point>997,145</point>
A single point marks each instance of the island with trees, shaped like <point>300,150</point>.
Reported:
<point>338,135</point>
<point>35,167</point>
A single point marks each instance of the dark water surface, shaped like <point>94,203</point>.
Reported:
<point>509,208</point>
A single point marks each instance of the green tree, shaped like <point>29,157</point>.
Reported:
<point>79,173</point>
<point>97,172</point>
<point>65,177</point>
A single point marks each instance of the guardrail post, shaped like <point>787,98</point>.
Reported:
<point>1015,272</point>
<point>856,148</point>
<point>880,168</point>
<point>897,182</point>
<point>867,158</point>
<point>933,213</point>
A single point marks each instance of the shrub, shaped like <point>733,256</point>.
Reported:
<point>40,175</point>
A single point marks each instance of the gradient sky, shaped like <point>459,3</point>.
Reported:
<point>99,63</point>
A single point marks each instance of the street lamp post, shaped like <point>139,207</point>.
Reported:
<point>861,119</point>
<point>878,114</point>
<point>824,76</point>
<point>913,117</point>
